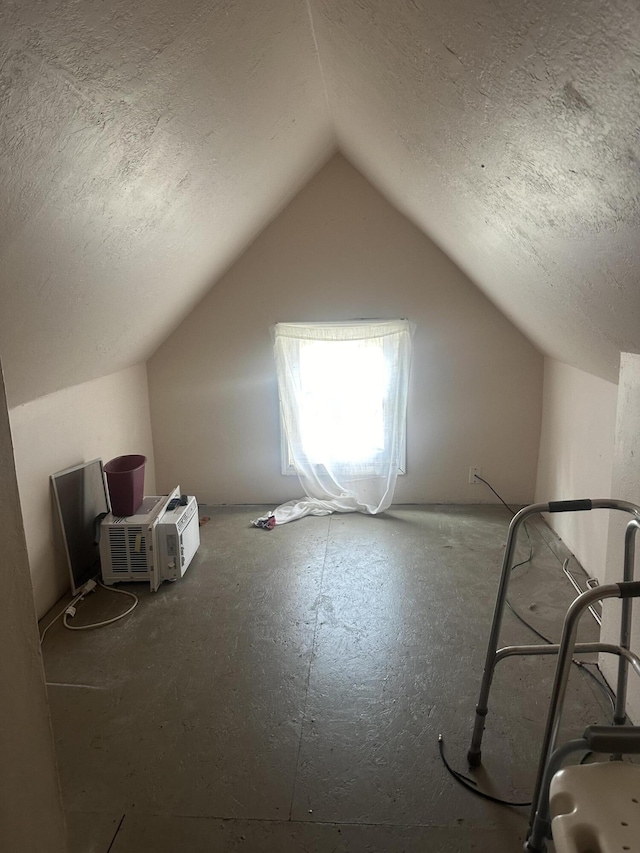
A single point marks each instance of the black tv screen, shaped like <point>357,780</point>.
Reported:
<point>81,496</point>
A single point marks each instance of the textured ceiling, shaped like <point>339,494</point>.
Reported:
<point>143,145</point>
<point>510,132</point>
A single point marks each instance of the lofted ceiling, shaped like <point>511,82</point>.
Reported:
<point>144,145</point>
<point>510,133</point>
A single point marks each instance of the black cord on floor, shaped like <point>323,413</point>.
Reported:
<point>522,562</point>
<point>464,781</point>
<point>527,624</point>
<point>513,514</point>
<point>502,501</point>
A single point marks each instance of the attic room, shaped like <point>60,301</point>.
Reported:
<point>176,180</point>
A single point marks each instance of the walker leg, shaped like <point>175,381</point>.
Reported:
<point>556,703</point>
<point>474,755</point>
<point>620,713</point>
<point>541,822</point>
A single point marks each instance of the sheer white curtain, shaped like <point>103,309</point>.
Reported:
<point>343,396</point>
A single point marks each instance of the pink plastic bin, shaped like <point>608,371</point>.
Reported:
<point>125,479</point>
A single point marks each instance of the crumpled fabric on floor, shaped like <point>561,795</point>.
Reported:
<point>298,508</point>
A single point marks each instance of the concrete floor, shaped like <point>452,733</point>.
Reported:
<point>287,694</point>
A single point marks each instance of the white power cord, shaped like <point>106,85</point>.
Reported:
<point>69,611</point>
<point>70,606</point>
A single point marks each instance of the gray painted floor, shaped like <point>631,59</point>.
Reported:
<point>288,693</point>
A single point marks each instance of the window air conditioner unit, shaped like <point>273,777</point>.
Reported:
<point>156,544</point>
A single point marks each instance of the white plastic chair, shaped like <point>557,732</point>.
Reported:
<point>595,808</point>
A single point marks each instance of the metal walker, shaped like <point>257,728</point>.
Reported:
<point>616,740</point>
<point>627,590</point>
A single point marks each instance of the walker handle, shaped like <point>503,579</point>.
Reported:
<point>569,506</point>
<point>613,739</point>
<point>629,589</point>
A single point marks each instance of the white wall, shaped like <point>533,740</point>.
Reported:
<point>31,817</point>
<point>341,251</point>
<point>103,418</point>
<point>626,486</point>
<point>576,456</point>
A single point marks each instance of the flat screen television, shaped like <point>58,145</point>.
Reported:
<point>81,497</point>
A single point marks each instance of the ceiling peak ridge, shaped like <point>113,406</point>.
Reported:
<point>320,65</point>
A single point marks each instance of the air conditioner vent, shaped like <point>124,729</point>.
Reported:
<point>118,549</point>
<point>186,516</point>
<point>137,549</point>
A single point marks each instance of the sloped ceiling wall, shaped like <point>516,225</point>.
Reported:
<point>509,131</point>
<point>143,146</point>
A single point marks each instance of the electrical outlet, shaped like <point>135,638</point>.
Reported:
<point>475,469</point>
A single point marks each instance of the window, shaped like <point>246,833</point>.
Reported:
<point>343,396</point>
